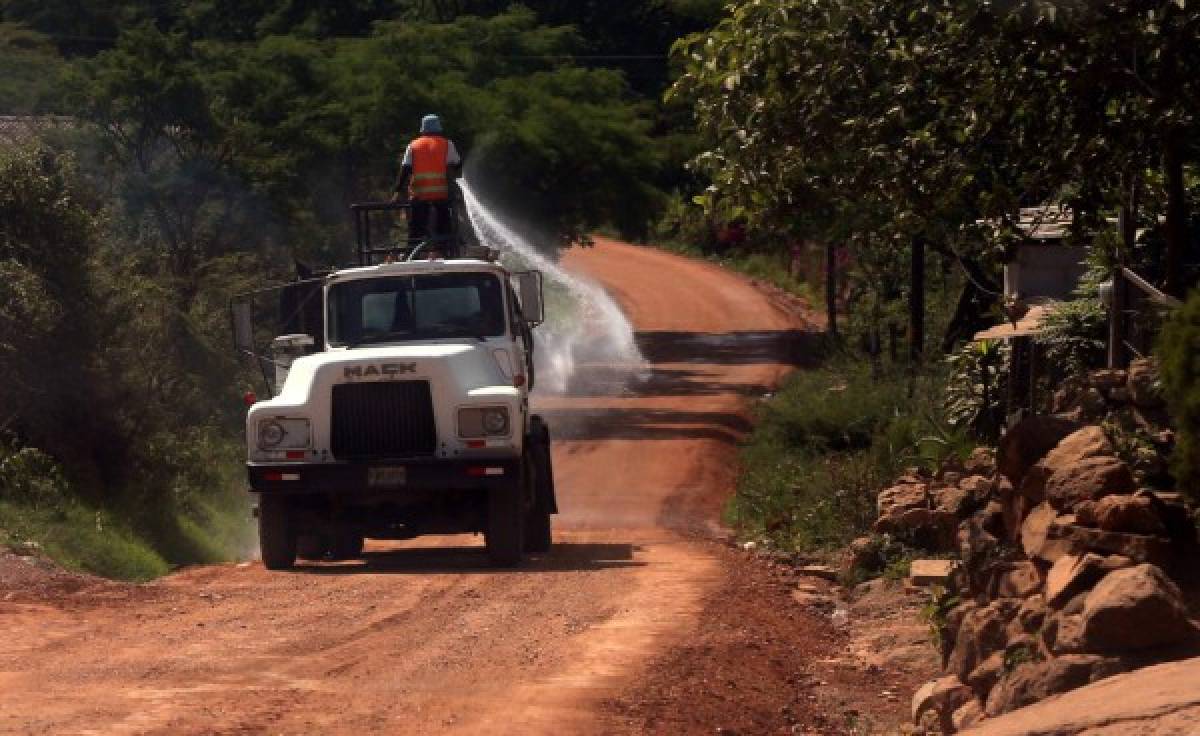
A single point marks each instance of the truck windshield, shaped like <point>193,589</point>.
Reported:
<point>424,307</point>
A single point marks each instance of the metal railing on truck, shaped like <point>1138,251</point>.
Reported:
<point>375,223</point>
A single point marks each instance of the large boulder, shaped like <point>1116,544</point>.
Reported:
<point>1033,681</point>
<point>930,529</point>
<point>1081,467</point>
<point>942,696</point>
<point>981,633</point>
<point>1030,617</point>
<point>1137,547</point>
<point>1027,442</point>
<point>984,677</point>
<point>1133,609</point>
<point>1143,384</point>
<point>1013,508</point>
<point>981,461</point>
<point>1014,580</point>
<point>1036,541</point>
<point>1072,574</point>
<point>902,497</point>
<point>978,549</point>
<point>1136,514</point>
<point>979,489</point>
<point>1062,633</point>
<point>1163,700</point>
<point>949,631</point>
<point>969,714</point>
<point>953,499</point>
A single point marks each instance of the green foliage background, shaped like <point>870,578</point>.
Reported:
<point>1179,351</point>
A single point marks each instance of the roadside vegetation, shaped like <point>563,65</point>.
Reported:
<point>824,446</point>
<point>903,139</point>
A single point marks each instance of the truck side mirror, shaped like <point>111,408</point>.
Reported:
<point>529,292</point>
<point>243,327</point>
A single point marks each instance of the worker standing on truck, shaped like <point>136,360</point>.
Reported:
<point>430,164</point>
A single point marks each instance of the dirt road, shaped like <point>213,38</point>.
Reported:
<point>424,639</point>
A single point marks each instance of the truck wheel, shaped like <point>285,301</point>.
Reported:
<point>538,535</point>
<point>275,536</point>
<point>311,546</point>
<point>503,535</point>
<point>347,547</point>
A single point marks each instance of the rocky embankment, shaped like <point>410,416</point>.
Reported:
<point>1068,569</point>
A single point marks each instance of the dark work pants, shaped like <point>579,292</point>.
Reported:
<point>419,220</point>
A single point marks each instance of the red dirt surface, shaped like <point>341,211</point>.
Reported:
<point>637,622</point>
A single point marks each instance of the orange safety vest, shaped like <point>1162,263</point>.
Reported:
<point>429,179</point>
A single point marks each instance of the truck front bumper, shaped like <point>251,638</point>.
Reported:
<point>347,478</point>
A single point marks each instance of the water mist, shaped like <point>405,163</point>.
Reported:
<point>600,332</point>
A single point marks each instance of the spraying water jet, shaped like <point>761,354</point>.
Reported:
<point>599,335</point>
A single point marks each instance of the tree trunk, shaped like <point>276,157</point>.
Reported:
<point>916,301</point>
<point>1178,250</point>
<point>1127,221</point>
<point>831,289</point>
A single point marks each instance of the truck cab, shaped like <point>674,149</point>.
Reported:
<point>401,409</point>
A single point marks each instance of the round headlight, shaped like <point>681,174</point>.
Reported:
<point>495,421</point>
<point>270,434</point>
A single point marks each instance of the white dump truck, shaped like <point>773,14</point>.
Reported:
<point>400,405</point>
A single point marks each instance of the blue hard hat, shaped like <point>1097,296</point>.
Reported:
<point>431,124</point>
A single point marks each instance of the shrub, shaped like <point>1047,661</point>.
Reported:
<point>1074,337</point>
<point>1179,355</point>
<point>825,445</point>
<point>977,386</point>
<point>31,477</point>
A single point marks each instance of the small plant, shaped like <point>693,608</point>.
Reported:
<point>976,387</point>
<point>1074,337</point>
<point>31,477</point>
<point>898,568</point>
<point>1016,656</point>
<point>936,614</point>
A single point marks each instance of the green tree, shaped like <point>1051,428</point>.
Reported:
<point>906,123</point>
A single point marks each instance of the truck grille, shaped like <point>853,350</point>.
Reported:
<point>383,420</point>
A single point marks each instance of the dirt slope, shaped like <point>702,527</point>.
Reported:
<point>422,638</point>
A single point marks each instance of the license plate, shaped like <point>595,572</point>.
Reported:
<point>386,477</point>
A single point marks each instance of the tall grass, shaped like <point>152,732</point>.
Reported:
<point>826,444</point>
<point>178,518</point>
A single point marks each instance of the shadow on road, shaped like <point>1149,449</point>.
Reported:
<point>794,347</point>
<point>566,557</point>
<point>645,424</point>
<point>668,373</point>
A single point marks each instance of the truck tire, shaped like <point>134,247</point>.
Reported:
<point>504,534</point>
<point>347,547</point>
<point>276,538</point>
<point>539,536</point>
<point>311,546</point>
